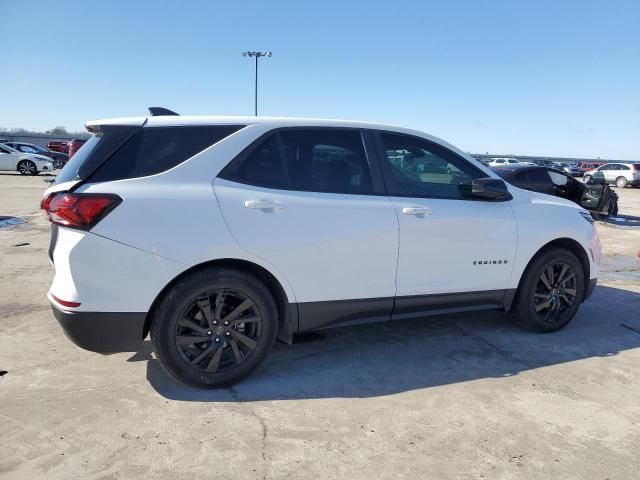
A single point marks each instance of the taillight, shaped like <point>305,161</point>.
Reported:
<point>78,210</point>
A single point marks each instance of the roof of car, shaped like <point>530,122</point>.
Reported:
<point>179,120</point>
<point>273,122</point>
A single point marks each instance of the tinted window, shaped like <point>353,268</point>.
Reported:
<point>263,166</point>
<point>537,180</point>
<point>326,160</point>
<point>318,160</point>
<point>70,170</point>
<point>157,149</point>
<point>416,167</point>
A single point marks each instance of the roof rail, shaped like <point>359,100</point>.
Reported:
<point>161,112</point>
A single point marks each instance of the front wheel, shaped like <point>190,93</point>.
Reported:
<point>621,182</point>
<point>550,291</point>
<point>214,327</point>
<point>27,167</point>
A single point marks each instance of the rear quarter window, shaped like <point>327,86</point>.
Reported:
<point>155,150</point>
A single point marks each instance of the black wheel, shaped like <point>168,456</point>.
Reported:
<point>621,182</point>
<point>214,327</point>
<point>550,292</point>
<point>27,167</point>
<point>612,208</point>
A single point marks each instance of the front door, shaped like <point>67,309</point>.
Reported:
<point>453,250</point>
<point>307,202</point>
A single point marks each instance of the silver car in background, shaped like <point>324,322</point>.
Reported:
<point>620,174</point>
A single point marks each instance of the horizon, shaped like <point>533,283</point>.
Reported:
<point>536,78</point>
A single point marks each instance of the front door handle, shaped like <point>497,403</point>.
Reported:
<point>417,211</point>
<point>264,204</point>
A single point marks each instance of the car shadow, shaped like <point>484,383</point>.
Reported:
<point>386,358</point>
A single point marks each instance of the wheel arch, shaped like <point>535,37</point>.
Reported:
<point>287,312</point>
<point>565,243</point>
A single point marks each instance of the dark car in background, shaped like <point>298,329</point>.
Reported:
<point>595,196</point>
<point>59,159</point>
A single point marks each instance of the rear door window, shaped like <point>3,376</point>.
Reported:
<point>307,159</point>
<point>155,150</point>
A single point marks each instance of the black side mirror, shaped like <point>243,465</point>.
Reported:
<point>490,188</point>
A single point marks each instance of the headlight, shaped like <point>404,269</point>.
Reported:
<point>586,215</point>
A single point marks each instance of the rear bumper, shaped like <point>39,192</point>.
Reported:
<point>590,288</point>
<point>102,332</point>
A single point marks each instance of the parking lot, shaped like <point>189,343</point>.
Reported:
<point>461,396</point>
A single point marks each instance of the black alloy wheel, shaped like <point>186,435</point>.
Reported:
<point>214,326</point>
<point>218,331</point>
<point>550,291</point>
<point>555,292</point>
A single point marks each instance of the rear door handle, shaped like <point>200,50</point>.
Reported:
<point>264,204</point>
<point>417,211</point>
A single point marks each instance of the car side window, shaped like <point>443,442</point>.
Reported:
<point>27,149</point>
<point>263,166</point>
<point>326,161</point>
<point>558,179</point>
<point>307,159</point>
<point>537,180</point>
<point>417,167</point>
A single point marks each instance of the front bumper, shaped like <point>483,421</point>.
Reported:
<point>102,332</point>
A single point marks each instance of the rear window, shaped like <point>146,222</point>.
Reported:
<point>154,150</point>
<point>70,170</point>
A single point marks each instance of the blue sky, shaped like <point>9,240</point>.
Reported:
<point>525,77</point>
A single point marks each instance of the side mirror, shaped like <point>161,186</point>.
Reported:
<point>490,188</point>
<point>597,179</point>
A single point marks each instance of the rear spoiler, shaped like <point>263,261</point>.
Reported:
<point>162,112</point>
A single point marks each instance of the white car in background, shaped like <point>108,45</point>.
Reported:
<point>503,162</point>
<point>12,160</point>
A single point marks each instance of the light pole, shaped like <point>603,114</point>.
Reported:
<point>257,55</point>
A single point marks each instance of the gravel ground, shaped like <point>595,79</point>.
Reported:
<point>461,396</point>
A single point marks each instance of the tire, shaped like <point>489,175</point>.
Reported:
<point>27,167</point>
<point>532,292</point>
<point>587,178</point>
<point>220,286</point>
<point>621,182</point>
<point>612,208</point>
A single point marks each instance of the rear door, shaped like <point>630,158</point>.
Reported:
<point>311,202</point>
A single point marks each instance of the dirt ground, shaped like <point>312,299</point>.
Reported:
<point>461,396</point>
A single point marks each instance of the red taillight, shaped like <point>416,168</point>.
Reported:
<point>65,303</point>
<point>78,210</point>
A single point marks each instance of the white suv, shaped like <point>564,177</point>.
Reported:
<point>621,174</point>
<point>219,234</point>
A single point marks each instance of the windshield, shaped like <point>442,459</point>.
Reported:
<point>70,170</point>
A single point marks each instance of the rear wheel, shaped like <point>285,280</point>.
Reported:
<point>621,182</point>
<point>27,167</point>
<point>214,327</point>
<point>550,292</point>
<point>612,209</point>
